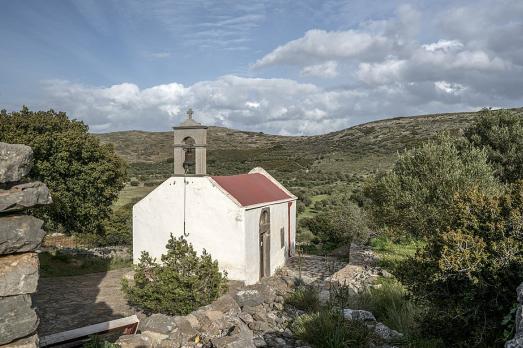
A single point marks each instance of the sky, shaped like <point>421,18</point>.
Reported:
<point>280,67</point>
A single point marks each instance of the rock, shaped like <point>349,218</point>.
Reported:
<point>20,234</point>
<point>248,297</point>
<point>159,323</point>
<point>18,274</point>
<point>134,341</point>
<point>245,317</point>
<point>386,333</point>
<point>516,342</point>
<point>193,321</point>
<point>232,342</point>
<point>24,196</point>
<point>16,161</point>
<point>259,342</point>
<point>26,342</point>
<point>225,304</point>
<point>184,330</point>
<point>358,314</point>
<point>17,318</point>
<point>214,315</point>
<point>519,292</point>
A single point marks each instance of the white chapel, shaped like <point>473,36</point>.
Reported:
<point>247,222</point>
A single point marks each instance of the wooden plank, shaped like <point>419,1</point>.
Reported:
<point>128,323</point>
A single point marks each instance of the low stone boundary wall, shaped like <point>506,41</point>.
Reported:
<point>20,236</point>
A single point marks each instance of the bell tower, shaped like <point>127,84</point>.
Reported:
<point>190,147</point>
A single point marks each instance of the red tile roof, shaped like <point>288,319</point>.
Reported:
<point>251,189</point>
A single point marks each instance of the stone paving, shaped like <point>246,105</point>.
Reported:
<point>65,303</point>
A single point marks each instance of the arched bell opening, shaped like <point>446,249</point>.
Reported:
<point>189,162</point>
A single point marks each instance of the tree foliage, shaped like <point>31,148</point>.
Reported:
<point>468,273</point>
<point>182,282</point>
<point>501,133</point>
<point>339,226</point>
<point>416,195</point>
<point>84,176</point>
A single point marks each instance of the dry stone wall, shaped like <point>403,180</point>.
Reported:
<point>20,236</point>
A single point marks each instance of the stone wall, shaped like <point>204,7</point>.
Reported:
<point>517,341</point>
<point>20,236</point>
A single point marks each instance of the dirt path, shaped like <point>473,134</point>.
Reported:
<point>65,303</point>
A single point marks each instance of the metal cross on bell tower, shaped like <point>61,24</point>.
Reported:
<point>189,113</point>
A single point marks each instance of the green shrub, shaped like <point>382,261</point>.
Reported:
<point>468,273</point>
<point>182,282</point>
<point>328,329</point>
<point>339,226</point>
<point>501,133</point>
<point>305,298</point>
<point>135,183</point>
<point>83,176</point>
<point>416,195</point>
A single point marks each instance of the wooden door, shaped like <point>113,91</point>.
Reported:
<point>265,243</point>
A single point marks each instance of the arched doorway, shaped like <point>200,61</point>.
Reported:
<point>265,243</point>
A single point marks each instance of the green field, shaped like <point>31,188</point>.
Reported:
<point>132,194</point>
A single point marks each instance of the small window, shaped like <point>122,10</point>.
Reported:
<point>282,237</point>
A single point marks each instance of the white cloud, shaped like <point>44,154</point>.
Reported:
<point>449,88</point>
<point>442,45</point>
<point>324,70</point>
<point>318,45</point>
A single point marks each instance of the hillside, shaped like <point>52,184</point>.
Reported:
<point>359,149</point>
<point>333,163</point>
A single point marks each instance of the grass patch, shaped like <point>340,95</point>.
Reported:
<point>310,211</point>
<point>392,253</point>
<point>57,264</point>
<point>132,194</point>
<point>304,298</point>
<point>391,305</point>
<point>328,328</point>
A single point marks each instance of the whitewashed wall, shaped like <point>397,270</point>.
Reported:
<point>213,222</point>
<point>279,219</point>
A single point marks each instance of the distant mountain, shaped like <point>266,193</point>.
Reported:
<point>357,150</point>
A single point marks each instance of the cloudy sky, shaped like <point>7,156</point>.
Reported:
<point>282,67</point>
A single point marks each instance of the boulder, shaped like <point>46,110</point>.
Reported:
<point>386,333</point>
<point>248,297</point>
<point>17,318</point>
<point>159,323</point>
<point>18,274</point>
<point>20,234</point>
<point>134,341</point>
<point>24,196</point>
<point>516,342</point>
<point>358,314</point>
<point>26,342</point>
<point>16,161</point>
<point>183,331</point>
<point>225,304</point>
<point>519,292</point>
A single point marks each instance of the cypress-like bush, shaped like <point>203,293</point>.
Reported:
<point>182,282</point>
